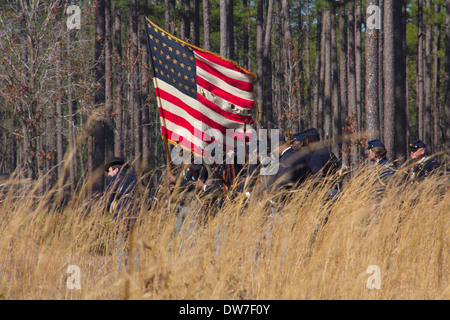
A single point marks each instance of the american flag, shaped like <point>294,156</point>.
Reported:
<point>200,95</point>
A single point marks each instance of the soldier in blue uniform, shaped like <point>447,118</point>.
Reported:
<point>120,190</point>
<point>424,165</point>
<point>384,169</point>
<point>290,172</point>
<point>320,160</point>
<point>297,141</point>
<point>120,195</point>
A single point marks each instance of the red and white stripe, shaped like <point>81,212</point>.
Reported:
<point>224,99</point>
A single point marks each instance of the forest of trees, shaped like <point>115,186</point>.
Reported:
<point>74,94</point>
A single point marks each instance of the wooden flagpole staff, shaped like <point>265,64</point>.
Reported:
<point>163,123</point>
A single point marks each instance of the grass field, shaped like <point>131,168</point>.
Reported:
<point>396,249</point>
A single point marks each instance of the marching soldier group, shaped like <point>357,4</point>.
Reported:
<point>303,156</point>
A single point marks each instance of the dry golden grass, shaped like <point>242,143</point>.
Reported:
<point>241,253</point>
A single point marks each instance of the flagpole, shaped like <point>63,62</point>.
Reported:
<point>166,144</point>
<point>168,154</point>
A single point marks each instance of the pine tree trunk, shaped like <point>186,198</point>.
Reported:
<point>59,97</point>
<point>420,71</point>
<point>206,26</point>
<point>358,68</point>
<point>267,67</point>
<point>389,77</point>
<point>427,138</point>
<point>145,103</point>
<point>317,71</point>
<point>260,57</point>
<point>380,69</point>
<point>73,172</point>
<point>302,105</point>
<point>118,137</point>
<point>135,87</point>
<point>230,30</point>
<point>289,64</point>
<point>195,22</point>
<point>185,24</point>
<point>282,120</point>
<point>309,104</point>
<point>245,40</point>
<point>109,133</point>
<point>26,155</point>
<point>321,80</point>
<point>98,152</point>
<point>371,48</point>
<point>335,102</point>
<point>352,117</point>
<point>436,102</point>
<point>343,79</point>
<point>401,111</point>
<point>326,128</point>
<point>59,113</point>
<point>223,28</point>
<point>167,15</point>
<point>447,77</point>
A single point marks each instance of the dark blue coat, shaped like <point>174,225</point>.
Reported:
<point>320,161</point>
<point>423,169</point>
<point>121,188</point>
<point>384,170</point>
<point>291,170</point>
<point>193,173</point>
